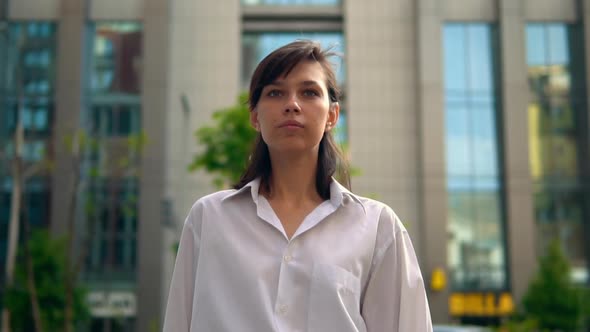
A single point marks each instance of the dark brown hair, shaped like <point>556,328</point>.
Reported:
<point>280,63</point>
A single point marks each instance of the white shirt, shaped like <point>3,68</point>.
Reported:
<point>349,267</point>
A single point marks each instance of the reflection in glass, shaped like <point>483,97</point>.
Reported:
<point>27,87</point>
<point>476,247</point>
<point>113,244</point>
<point>113,112</point>
<point>256,46</point>
<point>115,79</point>
<point>27,78</point>
<point>36,199</point>
<point>555,108</point>
<point>116,58</point>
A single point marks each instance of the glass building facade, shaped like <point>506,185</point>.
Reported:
<point>113,120</point>
<point>27,93</point>
<point>475,221</point>
<point>465,194</point>
<point>558,139</point>
<point>114,110</point>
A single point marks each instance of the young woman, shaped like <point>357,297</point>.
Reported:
<point>290,249</point>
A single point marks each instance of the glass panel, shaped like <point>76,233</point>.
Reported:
<point>480,59</point>
<point>557,44</point>
<point>117,233</point>
<point>454,58</point>
<point>125,120</point>
<point>115,78</point>
<point>257,46</point>
<point>536,47</point>
<point>476,249</point>
<point>457,141</point>
<point>27,77</point>
<point>554,111</point>
<point>116,58</point>
<point>484,140</point>
<point>27,84</point>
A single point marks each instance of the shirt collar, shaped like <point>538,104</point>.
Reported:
<point>337,193</point>
<point>253,186</point>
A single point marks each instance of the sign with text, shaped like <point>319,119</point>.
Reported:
<point>112,304</point>
<point>481,304</point>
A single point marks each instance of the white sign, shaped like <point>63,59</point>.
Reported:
<point>112,304</point>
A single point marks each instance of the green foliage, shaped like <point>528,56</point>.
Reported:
<point>552,299</point>
<point>519,324</point>
<point>227,144</point>
<point>48,260</point>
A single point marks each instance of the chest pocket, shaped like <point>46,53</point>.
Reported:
<point>334,301</point>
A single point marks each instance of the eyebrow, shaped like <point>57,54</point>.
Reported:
<point>304,83</point>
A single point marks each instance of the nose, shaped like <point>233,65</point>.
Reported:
<point>292,105</point>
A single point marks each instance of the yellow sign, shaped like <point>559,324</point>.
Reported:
<point>438,280</point>
<point>481,304</point>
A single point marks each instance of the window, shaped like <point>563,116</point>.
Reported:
<point>476,248</point>
<point>555,111</point>
<point>256,46</point>
<point>27,80</point>
<point>27,88</point>
<point>115,79</point>
<point>113,225</point>
<point>36,200</point>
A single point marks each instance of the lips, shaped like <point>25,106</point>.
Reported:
<point>290,123</point>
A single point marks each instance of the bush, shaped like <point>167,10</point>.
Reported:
<point>227,144</point>
<point>552,300</point>
<point>48,258</point>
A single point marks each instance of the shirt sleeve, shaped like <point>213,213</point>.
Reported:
<point>395,298</point>
<point>180,298</point>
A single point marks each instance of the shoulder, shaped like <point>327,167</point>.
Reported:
<point>211,201</point>
<point>382,211</point>
<point>389,225</point>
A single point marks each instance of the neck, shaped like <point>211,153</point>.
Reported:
<point>294,178</point>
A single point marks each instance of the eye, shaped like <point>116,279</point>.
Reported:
<point>274,93</point>
<point>310,93</point>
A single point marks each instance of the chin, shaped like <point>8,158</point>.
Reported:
<point>292,147</point>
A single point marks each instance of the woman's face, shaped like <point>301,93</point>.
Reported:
<point>294,111</point>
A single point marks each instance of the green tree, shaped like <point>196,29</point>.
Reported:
<point>227,144</point>
<point>47,257</point>
<point>552,299</point>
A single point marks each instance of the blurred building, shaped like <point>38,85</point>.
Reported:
<point>469,118</point>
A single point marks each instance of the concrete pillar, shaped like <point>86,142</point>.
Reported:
<point>521,230</point>
<point>381,104</point>
<point>154,91</point>
<point>432,168</point>
<point>68,106</point>
<point>204,50</point>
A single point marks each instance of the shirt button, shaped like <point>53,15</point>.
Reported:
<point>287,258</point>
<point>283,309</point>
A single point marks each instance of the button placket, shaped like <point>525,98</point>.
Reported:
<point>284,296</point>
